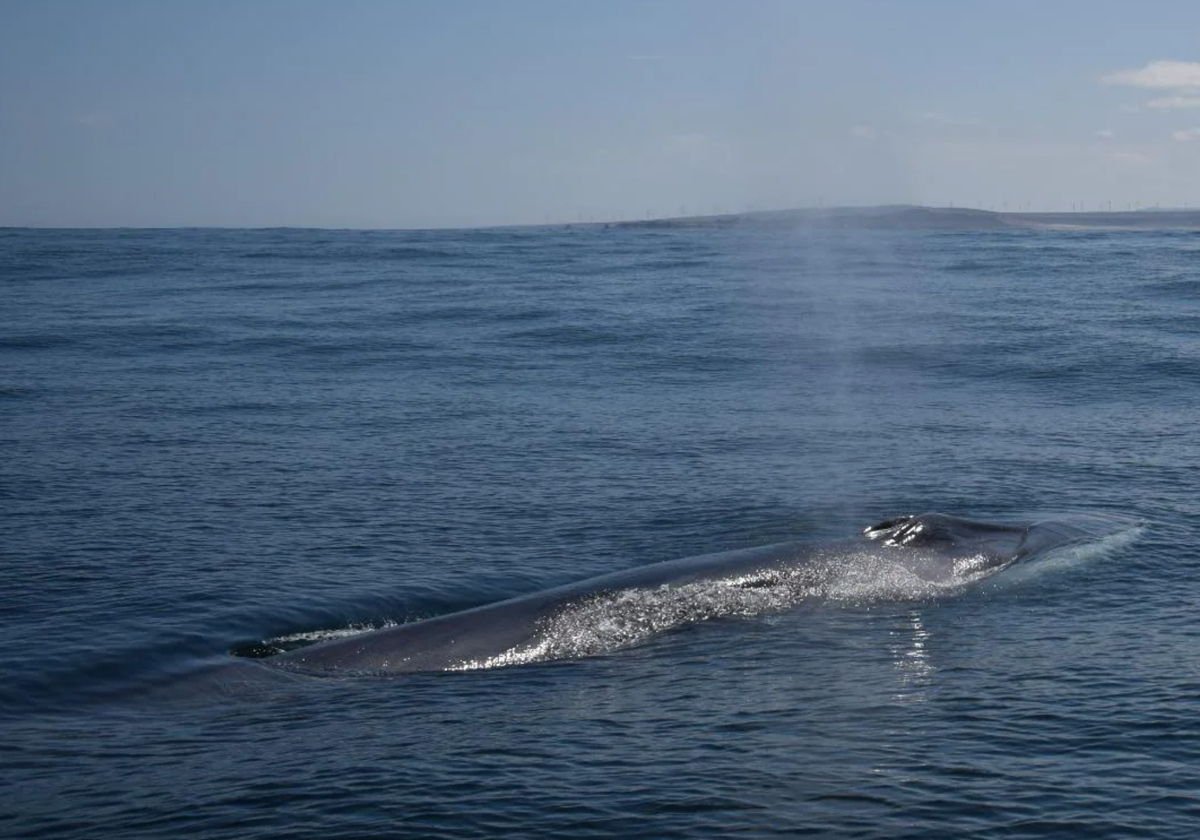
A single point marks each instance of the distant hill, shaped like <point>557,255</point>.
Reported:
<point>910,217</point>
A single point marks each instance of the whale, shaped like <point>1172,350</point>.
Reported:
<point>902,557</point>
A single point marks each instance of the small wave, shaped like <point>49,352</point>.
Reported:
<point>671,264</point>
<point>37,341</point>
<point>343,253</point>
<point>417,253</point>
<point>568,335</point>
<point>16,391</point>
<point>969,266</point>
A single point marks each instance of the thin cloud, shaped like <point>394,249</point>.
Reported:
<point>1129,158</point>
<point>1159,75</point>
<point>1169,103</point>
<point>1187,135</point>
<point>93,120</point>
<point>943,119</point>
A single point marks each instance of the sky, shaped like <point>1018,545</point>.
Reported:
<point>454,113</point>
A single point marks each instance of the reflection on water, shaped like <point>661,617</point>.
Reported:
<point>910,655</point>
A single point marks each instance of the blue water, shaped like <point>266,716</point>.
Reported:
<point>215,438</point>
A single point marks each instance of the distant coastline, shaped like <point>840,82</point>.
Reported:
<point>881,217</point>
<point>911,217</point>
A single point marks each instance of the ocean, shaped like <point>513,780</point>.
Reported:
<point>216,442</point>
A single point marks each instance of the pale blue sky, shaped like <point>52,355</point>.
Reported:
<point>427,113</point>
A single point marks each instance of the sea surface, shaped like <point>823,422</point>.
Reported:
<point>215,442</point>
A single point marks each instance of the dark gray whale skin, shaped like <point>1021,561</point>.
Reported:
<point>932,547</point>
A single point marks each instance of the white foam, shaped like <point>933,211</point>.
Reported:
<point>313,636</point>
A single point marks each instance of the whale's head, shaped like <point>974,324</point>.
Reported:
<point>939,531</point>
<point>958,547</point>
<point>948,545</point>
